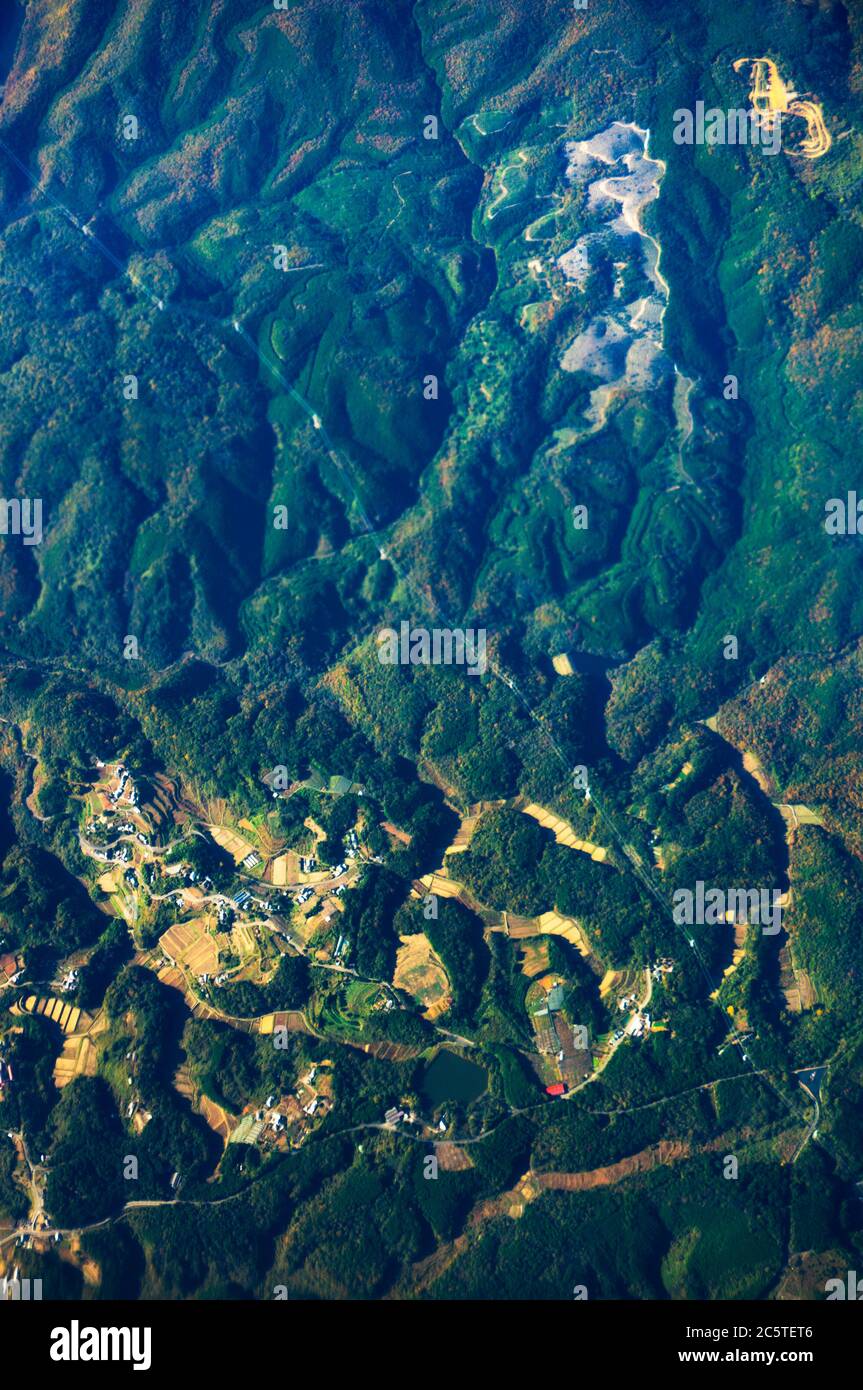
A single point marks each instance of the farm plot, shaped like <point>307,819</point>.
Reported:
<point>191,945</point>
<point>231,841</point>
<point>419,973</point>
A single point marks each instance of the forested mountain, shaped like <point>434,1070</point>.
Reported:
<point>324,324</point>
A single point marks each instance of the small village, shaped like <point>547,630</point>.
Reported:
<point>212,899</point>
<point>268,900</point>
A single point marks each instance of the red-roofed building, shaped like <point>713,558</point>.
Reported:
<point>557,1089</point>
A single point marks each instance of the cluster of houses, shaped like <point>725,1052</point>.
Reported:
<point>121,855</point>
<point>135,1110</point>
<point>97,827</point>
<point>125,788</point>
<point>137,1114</point>
<point>639,1025</point>
<point>287,1118</point>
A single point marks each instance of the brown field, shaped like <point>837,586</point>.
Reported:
<point>9,966</point>
<point>191,945</point>
<point>183,1083</point>
<point>203,957</point>
<point>173,977</point>
<point>388,1051</point>
<point>401,836</point>
<point>667,1151</point>
<point>177,939</point>
<point>78,1055</point>
<point>291,1019</point>
<point>534,957</point>
<point>219,1120</point>
<point>452,1158</point>
<point>796,985</point>
<point>753,765</point>
<point>419,972</point>
<point>231,841</point>
<point>305,927</point>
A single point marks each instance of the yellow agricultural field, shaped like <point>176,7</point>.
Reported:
<point>553,924</point>
<point>441,886</point>
<point>607,983</point>
<point>563,831</point>
<point>67,1016</point>
<point>463,835</point>
<point>795,813</point>
<point>77,1058</point>
<point>242,941</point>
<point>753,765</point>
<point>231,841</point>
<point>419,973</point>
<point>285,869</point>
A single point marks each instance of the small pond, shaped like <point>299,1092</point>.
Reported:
<point>453,1078</point>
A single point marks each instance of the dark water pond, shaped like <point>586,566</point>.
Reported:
<point>453,1078</point>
